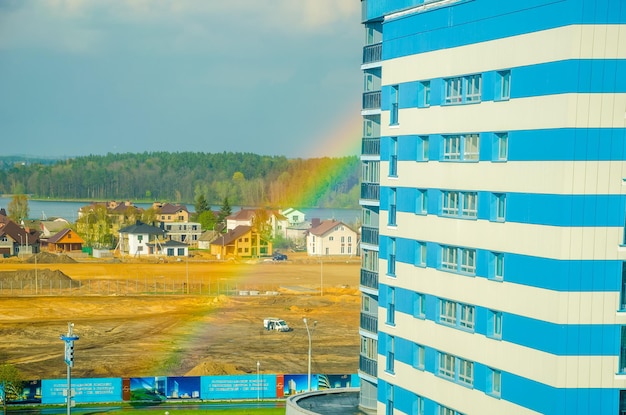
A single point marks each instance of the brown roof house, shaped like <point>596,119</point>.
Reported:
<point>168,212</point>
<point>64,241</point>
<point>15,240</point>
<point>243,241</point>
<point>331,237</point>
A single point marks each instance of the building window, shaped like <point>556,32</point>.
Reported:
<point>458,315</point>
<point>391,306</point>
<point>391,262</point>
<point>447,312</point>
<point>461,147</point>
<point>467,316</point>
<point>496,266</point>
<point>622,402</point>
<point>501,147</point>
<point>622,351</point>
<point>466,372</point>
<point>452,147</point>
<point>473,83</point>
<point>622,302</point>
<point>463,90</point>
<point>389,407</point>
<point>392,207</point>
<point>498,208</point>
<point>468,261</point>
<point>421,202</point>
<point>393,157</point>
<point>446,365</point>
<point>393,113</point>
<point>503,85</point>
<point>454,91</point>
<point>419,305</point>
<point>419,355</point>
<point>423,94</point>
<point>422,148</point>
<point>443,410</point>
<point>459,260</point>
<point>494,382</point>
<point>390,354</point>
<point>494,324</point>
<point>418,405</point>
<point>420,253</point>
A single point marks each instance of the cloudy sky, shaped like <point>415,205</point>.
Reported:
<point>275,77</point>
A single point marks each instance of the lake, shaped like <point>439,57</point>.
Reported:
<point>46,209</point>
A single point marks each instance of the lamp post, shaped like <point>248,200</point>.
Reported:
<point>309,333</point>
<point>69,339</point>
<point>258,382</point>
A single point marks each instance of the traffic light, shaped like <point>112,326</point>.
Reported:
<point>69,353</point>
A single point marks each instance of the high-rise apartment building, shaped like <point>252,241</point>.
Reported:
<point>494,196</point>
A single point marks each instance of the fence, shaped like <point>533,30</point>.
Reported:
<point>136,287</point>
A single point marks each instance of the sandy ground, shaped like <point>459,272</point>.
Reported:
<point>146,333</point>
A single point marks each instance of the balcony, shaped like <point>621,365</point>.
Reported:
<point>371,100</point>
<point>370,191</point>
<point>373,53</point>
<point>369,322</point>
<point>370,146</point>
<point>369,279</point>
<point>369,366</point>
<point>369,235</point>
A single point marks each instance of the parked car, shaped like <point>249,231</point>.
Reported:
<point>279,257</point>
<point>275,324</point>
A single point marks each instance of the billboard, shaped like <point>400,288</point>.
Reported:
<point>54,391</point>
<point>260,386</point>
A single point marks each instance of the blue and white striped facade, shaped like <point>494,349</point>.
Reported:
<point>495,207</point>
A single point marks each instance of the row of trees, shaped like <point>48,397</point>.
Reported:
<point>245,179</point>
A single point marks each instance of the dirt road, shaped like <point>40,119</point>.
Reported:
<point>139,331</point>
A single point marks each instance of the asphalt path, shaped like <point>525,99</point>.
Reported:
<point>163,407</point>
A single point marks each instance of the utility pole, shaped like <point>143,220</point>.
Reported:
<point>309,332</point>
<point>69,339</point>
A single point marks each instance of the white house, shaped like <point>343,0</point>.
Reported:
<point>170,248</point>
<point>185,232</point>
<point>331,237</point>
<point>137,239</point>
<point>294,216</point>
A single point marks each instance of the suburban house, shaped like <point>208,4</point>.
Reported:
<point>64,241</point>
<point>135,239</point>
<point>15,239</point>
<point>51,227</point>
<point>294,216</point>
<point>243,241</point>
<point>246,217</point>
<point>331,237</point>
<point>204,242</point>
<point>167,212</point>
<point>185,232</point>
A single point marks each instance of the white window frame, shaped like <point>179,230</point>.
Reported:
<point>447,365</point>
<point>452,147</point>
<point>447,312</point>
<point>466,372</point>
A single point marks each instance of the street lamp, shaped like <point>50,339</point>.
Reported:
<point>309,332</point>
<point>258,383</point>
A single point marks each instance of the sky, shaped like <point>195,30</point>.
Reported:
<point>270,77</point>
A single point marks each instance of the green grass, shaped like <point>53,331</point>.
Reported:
<point>234,411</point>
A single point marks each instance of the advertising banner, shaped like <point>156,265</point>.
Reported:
<point>148,388</point>
<point>262,386</point>
<point>54,391</point>
<point>31,393</point>
<point>183,387</point>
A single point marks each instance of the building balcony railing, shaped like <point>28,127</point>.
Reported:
<point>373,53</point>
<point>369,279</point>
<point>370,146</point>
<point>369,235</point>
<point>369,322</point>
<point>371,100</point>
<point>370,191</point>
<point>369,366</point>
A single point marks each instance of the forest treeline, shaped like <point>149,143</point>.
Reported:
<point>246,179</point>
